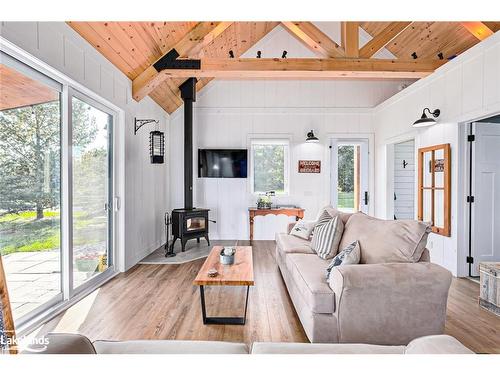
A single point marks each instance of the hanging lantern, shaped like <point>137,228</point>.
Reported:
<point>157,147</point>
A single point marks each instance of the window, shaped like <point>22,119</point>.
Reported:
<point>269,165</point>
<point>434,182</point>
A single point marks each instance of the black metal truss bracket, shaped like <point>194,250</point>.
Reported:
<point>170,61</point>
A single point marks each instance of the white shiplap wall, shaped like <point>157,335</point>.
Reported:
<point>146,186</point>
<point>228,113</point>
<point>465,89</point>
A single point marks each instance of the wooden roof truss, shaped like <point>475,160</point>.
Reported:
<point>137,47</point>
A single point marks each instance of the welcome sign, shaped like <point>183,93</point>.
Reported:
<point>309,166</point>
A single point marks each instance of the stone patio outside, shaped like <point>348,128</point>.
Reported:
<point>34,278</point>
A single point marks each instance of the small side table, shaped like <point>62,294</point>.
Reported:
<point>489,294</point>
<point>288,211</point>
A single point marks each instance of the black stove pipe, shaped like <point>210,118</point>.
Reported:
<point>188,95</point>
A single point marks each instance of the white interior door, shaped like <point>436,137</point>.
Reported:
<point>404,180</point>
<point>485,236</point>
<point>349,182</point>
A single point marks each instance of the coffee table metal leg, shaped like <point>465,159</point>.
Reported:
<point>203,308</point>
<point>222,319</point>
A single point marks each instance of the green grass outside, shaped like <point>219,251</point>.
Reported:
<point>346,199</point>
<point>22,233</point>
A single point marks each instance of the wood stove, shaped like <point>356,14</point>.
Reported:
<point>189,224</point>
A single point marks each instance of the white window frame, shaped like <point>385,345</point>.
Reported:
<point>271,141</point>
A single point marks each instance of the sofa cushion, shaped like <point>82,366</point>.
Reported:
<point>307,273</point>
<point>326,237</point>
<point>437,344</point>
<point>305,348</point>
<point>386,241</point>
<point>291,244</point>
<point>169,347</point>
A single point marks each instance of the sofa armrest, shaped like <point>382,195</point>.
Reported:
<point>390,304</point>
<point>439,344</point>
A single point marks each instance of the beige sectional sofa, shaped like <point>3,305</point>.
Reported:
<point>394,296</point>
<point>67,343</point>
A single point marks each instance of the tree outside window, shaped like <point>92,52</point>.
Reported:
<point>270,163</point>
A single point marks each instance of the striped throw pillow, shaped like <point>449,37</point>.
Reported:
<point>324,218</point>
<point>326,237</point>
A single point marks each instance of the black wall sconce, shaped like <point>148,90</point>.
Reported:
<point>157,147</point>
<point>156,141</point>
<point>311,138</point>
<point>424,121</point>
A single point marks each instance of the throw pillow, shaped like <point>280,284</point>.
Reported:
<point>303,229</point>
<point>324,218</point>
<point>326,237</point>
<point>350,255</point>
<point>334,212</point>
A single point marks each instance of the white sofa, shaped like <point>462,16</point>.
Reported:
<point>394,296</point>
<point>67,343</point>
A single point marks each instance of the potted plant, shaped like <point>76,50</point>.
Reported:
<point>87,262</point>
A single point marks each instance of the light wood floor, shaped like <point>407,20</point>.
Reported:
<point>160,302</point>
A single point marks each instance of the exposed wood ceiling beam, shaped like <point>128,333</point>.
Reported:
<point>190,45</point>
<point>478,29</point>
<point>314,39</point>
<point>308,68</point>
<point>383,38</point>
<point>350,38</point>
<point>252,32</point>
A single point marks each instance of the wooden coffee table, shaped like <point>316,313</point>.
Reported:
<point>238,274</point>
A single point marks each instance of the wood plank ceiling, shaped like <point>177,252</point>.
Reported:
<point>134,46</point>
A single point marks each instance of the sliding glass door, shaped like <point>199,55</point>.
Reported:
<point>56,190</point>
<point>30,187</point>
<point>91,208</point>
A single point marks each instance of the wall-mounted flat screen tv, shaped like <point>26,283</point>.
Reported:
<point>217,163</point>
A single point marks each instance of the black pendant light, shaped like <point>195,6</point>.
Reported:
<point>425,121</point>
<point>311,138</point>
